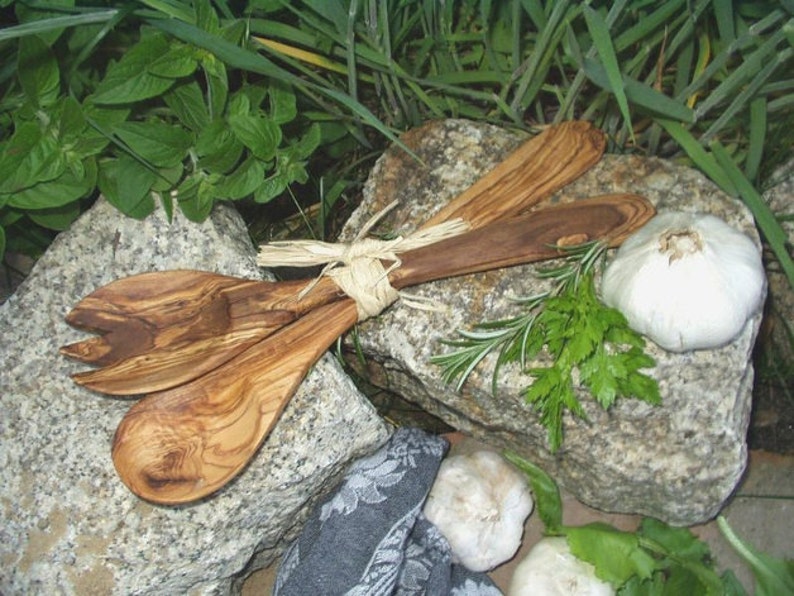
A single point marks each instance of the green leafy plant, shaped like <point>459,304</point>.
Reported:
<point>569,326</point>
<point>155,103</point>
<point>703,81</point>
<point>655,558</point>
<point>164,123</point>
<point>772,575</point>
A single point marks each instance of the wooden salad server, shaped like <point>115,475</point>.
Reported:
<point>185,443</point>
<point>159,330</point>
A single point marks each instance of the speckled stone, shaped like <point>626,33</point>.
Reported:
<point>781,200</point>
<point>678,462</point>
<point>68,525</point>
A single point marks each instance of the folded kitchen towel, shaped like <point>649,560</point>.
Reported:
<point>370,538</point>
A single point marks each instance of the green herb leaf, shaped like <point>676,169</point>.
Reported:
<point>217,85</point>
<point>129,79</point>
<point>126,183</point>
<point>218,148</point>
<point>56,218</point>
<point>270,188</point>
<point>38,71</point>
<point>578,334</point>
<point>160,144</point>
<point>544,492</point>
<point>16,169</point>
<point>243,181</point>
<point>772,575</point>
<point>196,195</point>
<point>179,61</point>
<point>616,555</point>
<point>283,106</point>
<point>187,102</point>
<point>56,192</point>
<point>257,132</point>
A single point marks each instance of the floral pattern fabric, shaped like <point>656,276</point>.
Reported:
<point>370,538</point>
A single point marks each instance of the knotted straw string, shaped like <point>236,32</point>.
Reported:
<point>356,267</point>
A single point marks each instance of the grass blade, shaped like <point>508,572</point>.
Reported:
<point>609,61</point>
<point>723,12</point>
<point>751,65</point>
<point>699,156</point>
<point>771,229</point>
<point>55,23</point>
<point>755,149</point>
<point>536,67</point>
<point>739,102</point>
<point>640,94</point>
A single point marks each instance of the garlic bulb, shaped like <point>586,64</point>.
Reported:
<point>550,569</point>
<point>687,281</point>
<point>479,502</point>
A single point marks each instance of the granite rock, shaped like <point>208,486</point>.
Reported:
<point>678,462</point>
<point>68,525</point>
<point>780,198</point>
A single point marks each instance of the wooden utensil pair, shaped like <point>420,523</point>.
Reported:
<point>220,356</point>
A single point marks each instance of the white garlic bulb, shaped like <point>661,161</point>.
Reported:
<point>687,281</point>
<point>479,502</point>
<point>550,569</point>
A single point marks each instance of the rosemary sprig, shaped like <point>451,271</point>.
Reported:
<point>577,332</point>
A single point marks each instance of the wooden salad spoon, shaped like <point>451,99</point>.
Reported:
<point>162,329</point>
<point>185,443</point>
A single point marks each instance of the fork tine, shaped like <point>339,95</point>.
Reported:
<point>163,368</point>
<point>94,350</point>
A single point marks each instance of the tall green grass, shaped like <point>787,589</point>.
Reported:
<point>706,81</point>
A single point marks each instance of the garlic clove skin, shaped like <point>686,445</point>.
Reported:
<point>550,569</point>
<point>687,281</point>
<point>479,502</point>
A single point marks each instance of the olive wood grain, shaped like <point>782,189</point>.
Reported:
<point>185,443</point>
<point>161,329</point>
<point>229,315</point>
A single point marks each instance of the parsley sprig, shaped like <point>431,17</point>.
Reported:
<point>582,338</point>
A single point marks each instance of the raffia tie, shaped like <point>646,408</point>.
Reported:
<point>357,267</point>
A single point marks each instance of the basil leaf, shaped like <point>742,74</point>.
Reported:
<point>217,85</point>
<point>283,107</point>
<point>243,181</point>
<point>126,184</point>
<point>307,144</point>
<point>24,165</point>
<point>56,192</point>
<point>129,79</point>
<point>179,61</point>
<point>187,102</point>
<point>71,122</point>
<point>544,490</point>
<point>615,554</point>
<point>161,144</point>
<point>270,188</point>
<point>196,197</point>
<point>37,70</point>
<point>218,148</point>
<point>15,151</point>
<point>257,132</point>
<point>56,218</point>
